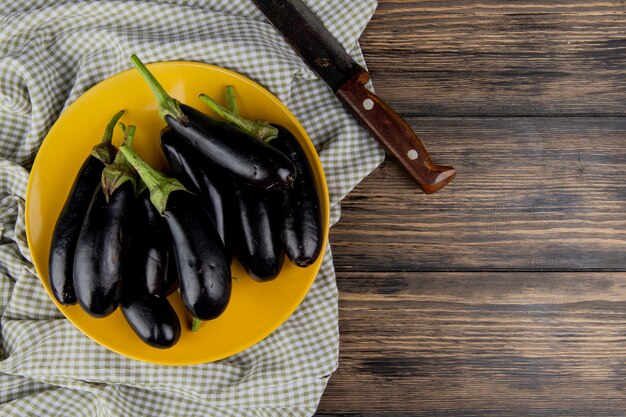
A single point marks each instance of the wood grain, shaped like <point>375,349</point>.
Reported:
<point>531,194</point>
<point>488,344</point>
<point>504,294</point>
<point>476,58</point>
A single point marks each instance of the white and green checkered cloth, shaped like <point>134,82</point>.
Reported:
<point>51,52</point>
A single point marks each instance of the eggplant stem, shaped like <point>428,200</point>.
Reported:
<point>168,106</point>
<point>129,133</point>
<point>141,187</point>
<point>129,136</point>
<point>195,324</point>
<point>259,129</point>
<point>231,100</point>
<point>108,132</point>
<point>105,151</point>
<point>159,184</point>
<point>119,171</point>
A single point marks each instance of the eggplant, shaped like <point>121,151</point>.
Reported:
<point>258,236</point>
<point>67,229</point>
<point>300,226</point>
<point>103,243</point>
<point>301,215</point>
<point>101,251</point>
<point>203,270</point>
<point>150,247</point>
<point>151,317</point>
<point>232,149</point>
<point>201,178</point>
<point>242,156</point>
<point>148,280</point>
<point>258,244</point>
<point>70,221</point>
<point>171,276</point>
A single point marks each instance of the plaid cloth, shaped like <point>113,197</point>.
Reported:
<point>51,52</point>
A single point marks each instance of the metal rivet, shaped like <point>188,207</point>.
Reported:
<point>412,154</point>
<point>368,104</point>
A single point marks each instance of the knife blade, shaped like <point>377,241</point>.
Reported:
<point>327,57</point>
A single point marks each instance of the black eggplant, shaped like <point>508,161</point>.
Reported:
<point>103,243</point>
<point>70,221</point>
<point>203,270</point>
<point>101,251</point>
<point>152,318</point>
<point>301,219</point>
<point>200,177</point>
<point>258,233</point>
<point>150,247</point>
<point>171,276</point>
<point>232,149</point>
<point>240,155</point>
<point>149,278</point>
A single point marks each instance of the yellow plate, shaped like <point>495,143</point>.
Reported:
<point>255,309</point>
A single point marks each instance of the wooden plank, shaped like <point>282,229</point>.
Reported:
<point>531,194</point>
<point>459,57</point>
<point>480,344</point>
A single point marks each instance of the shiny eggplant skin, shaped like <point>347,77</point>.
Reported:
<point>171,274</point>
<point>101,251</point>
<point>150,245</point>
<point>67,229</point>
<point>238,154</point>
<point>199,177</point>
<point>203,269</point>
<point>258,237</point>
<point>152,318</point>
<point>301,219</point>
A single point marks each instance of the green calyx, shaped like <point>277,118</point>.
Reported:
<point>141,186</point>
<point>168,106</point>
<point>159,184</point>
<point>257,128</point>
<point>105,151</point>
<point>119,171</point>
<point>195,324</point>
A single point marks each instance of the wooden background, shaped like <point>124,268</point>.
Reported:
<point>505,293</point>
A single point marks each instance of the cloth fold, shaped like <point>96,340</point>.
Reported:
<point>51,52</point>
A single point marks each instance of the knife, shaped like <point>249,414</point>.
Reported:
<point>327,57</point>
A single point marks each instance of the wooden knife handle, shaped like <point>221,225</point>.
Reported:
<point>394,133</point>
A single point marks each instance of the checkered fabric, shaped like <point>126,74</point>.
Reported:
<point>51,52</point>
